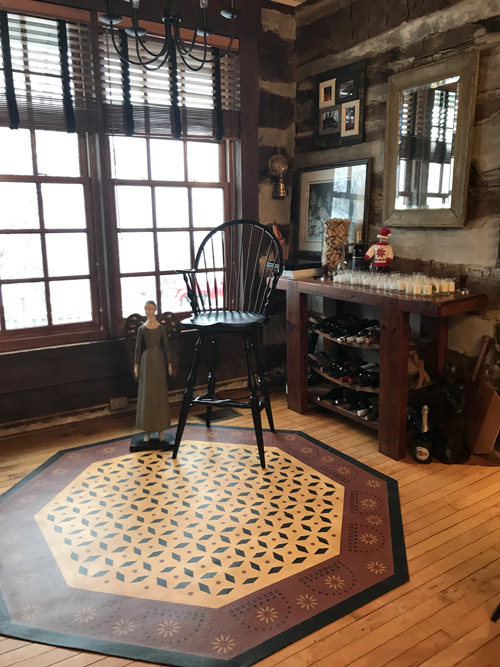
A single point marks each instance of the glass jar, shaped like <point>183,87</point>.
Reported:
<point>335,233</point>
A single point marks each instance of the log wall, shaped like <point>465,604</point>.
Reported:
<point>393,36</point>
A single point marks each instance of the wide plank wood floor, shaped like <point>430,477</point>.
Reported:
<point>451,518</point>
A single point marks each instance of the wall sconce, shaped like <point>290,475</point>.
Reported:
<point>278,166</point>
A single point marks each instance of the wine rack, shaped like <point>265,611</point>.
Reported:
<point>354,387</point>
<point>315,395</point>
<point>361,345</point>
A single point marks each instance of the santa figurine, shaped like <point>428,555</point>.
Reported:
<point>381,252</point>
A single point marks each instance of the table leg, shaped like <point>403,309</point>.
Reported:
<point>394,338</point>
<point>296,338</point>
<point>435,328</point>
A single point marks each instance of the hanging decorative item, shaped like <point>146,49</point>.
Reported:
<point>341,97</point>
<point>173,44</point>
<point>278,166</point>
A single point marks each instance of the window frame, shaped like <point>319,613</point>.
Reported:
<point>58,334</point>
<point>226,183</point>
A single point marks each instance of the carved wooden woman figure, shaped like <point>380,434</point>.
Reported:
<point>150,369</point>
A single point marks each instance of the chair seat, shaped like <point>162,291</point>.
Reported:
<point>225,321</point>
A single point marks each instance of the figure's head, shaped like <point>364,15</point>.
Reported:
<point>150,308</point>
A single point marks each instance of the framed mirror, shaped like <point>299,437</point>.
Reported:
<point>430,115</point>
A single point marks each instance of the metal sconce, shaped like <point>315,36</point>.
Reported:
<point>278,166</point>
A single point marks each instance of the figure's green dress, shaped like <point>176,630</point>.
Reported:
<point>153,410</point>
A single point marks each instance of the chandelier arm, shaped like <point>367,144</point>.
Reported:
<point>166,44</point>
<point>140,62</point>
<point>178,40</point>
<point>181,44</point>
<point>146,65</point>
<point>212,60</point>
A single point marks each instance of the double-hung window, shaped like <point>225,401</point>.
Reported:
<point>110,177</point>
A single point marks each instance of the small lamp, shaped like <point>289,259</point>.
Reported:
<point>278,166</point>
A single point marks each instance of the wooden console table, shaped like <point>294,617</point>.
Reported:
<point>394,318</point>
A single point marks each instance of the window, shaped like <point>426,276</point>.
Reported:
<point>168,194</point>
<point>99,203</point>
<point>45,241</point>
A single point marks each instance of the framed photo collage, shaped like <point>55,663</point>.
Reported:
<point>340,95</point>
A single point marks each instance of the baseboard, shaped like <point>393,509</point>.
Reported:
<point>34,424</point>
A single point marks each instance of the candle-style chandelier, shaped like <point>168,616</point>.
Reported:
<point>195,53</point>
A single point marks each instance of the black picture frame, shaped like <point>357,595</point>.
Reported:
<point>346,185</point>
<point>349,83</point>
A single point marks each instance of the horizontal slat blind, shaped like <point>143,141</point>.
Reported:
<point>428,117</point>
<point>152,98</point>
<point>37,74</point>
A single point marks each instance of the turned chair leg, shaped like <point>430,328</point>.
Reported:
<point>212,376</point>
<point>255,404</point>
<point>263,384</point>
<point>187,398</point>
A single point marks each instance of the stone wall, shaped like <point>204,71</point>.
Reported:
<point>393,36</point>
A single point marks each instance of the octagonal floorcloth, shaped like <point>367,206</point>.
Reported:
<point>201,562</point>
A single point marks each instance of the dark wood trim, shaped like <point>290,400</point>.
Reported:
<point>248,174</point>
<point>394,342</point>
<point>296,316</point>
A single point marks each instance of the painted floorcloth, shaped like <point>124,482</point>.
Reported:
<point>201,562</point>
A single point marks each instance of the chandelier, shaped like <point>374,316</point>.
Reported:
<point>173,43</point>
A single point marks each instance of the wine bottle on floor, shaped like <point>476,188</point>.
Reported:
<point>423,440</point>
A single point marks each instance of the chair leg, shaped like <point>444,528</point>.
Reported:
<point>212,376</point>
<point>254,404</point>
<point>263,384</point>
<point>187,398</point>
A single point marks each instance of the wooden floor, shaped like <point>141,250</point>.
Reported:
<point>452,527</point>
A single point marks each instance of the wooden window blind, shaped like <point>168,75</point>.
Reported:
<point>47,75</point>
<point>146,102</point>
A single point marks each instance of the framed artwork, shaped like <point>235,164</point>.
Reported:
<point>341,98</point>
<point>350,119</point>
<point>347,89</point>
<point>330,120</point>
<point>327,93</point>
<point>334,191</point>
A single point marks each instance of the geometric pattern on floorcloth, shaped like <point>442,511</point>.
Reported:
<point>200,562</point>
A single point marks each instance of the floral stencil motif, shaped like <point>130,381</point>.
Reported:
<point>267,614</point>
<point>28,577</point>
<point>376,568</point>
<point>335,582</point>
<point>223,644</point>
<point>374,520</point>
<point>368,502</point>
<point>84,615</point>
<point>307,601</point>
<point>373,483</point>
<point>168,628</point>
<point>123,627</point>
<point>368,538</point>
<point>31,611</point>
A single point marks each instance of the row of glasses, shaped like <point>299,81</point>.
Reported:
<point>417,284</point>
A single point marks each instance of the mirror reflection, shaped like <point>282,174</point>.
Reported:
<point>426,148</point>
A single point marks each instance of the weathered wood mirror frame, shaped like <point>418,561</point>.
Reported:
<point>466,67</point>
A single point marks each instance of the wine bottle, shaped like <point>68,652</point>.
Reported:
<point>423,440</point>
<point>358,254</point>
<point>331,395</point>
<point>367,332</point>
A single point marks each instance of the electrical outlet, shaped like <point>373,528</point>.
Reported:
<point>118,403</point>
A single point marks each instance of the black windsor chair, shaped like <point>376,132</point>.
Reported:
<point>235,273</point>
